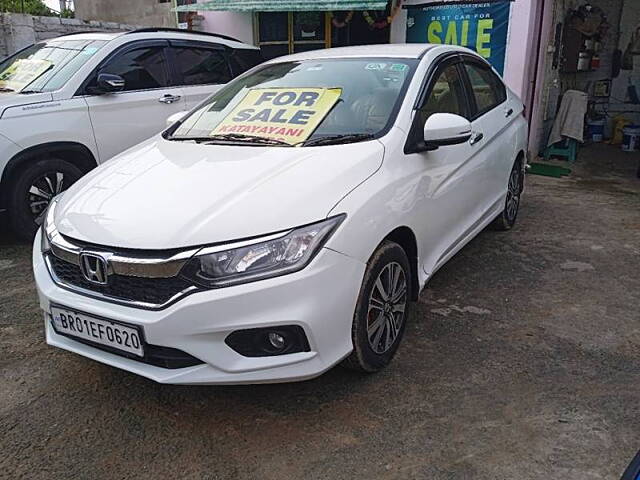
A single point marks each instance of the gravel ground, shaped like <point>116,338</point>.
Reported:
<point>520,361</point>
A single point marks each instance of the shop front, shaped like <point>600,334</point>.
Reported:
<point>505,32</point>
<point>280,28</point>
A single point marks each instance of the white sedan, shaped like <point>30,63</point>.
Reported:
<point>286,224</point>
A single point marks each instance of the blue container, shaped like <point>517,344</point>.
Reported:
<point>595,130</point>
<point>631,138</point>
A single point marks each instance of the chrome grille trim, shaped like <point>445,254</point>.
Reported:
<point>130,265</point>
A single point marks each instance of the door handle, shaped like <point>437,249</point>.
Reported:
<point>508,113</point>
<point>476,137</point>
<point>169,99</point>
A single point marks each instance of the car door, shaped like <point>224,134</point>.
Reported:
<point>123,119</point>
<point>201,68</point>
<point>447,189</point>
<point>490,119</point>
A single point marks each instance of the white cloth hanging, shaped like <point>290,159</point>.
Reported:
<point>569,121</point>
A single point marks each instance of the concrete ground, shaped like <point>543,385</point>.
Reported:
<point>520,362</point>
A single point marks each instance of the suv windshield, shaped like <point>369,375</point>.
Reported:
<point>45,67</point>
<point>313,102</point>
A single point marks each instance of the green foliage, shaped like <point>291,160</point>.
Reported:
<point>31,7</point>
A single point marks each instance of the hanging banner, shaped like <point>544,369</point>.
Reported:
<point>287,114</point>
<point>482,27</point>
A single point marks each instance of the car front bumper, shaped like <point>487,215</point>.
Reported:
<point>321,299</point>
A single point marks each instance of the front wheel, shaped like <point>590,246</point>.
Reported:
<point>34,188</point>
<point>507,218</point>
<point>382,309</point>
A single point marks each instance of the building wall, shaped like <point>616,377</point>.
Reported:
<point>139,12</point>
<point>18,31</point>
<point>238,25</point>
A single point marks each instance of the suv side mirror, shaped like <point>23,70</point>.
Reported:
<point>109,83</point>
<point>442,129</point>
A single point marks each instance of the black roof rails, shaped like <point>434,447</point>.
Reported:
<point>179,30</point>
<point>80,33</point>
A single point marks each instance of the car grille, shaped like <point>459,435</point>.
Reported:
<point>155,292</point>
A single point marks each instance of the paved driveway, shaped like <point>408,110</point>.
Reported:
<point>520,362</point>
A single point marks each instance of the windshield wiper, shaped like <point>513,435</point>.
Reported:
<point>6,89</point>
<point>27,92</point>
<point>336,139</point>
<point>241,137</point>
<point>233,137</point>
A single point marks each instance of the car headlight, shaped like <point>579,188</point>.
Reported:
<point>48,227</point>
<point>266,257</point>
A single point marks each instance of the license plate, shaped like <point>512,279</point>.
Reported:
<point>97,330</point>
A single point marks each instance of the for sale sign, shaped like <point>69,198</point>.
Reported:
<point>287,114</point>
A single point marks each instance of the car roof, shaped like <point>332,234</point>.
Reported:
<point>398,50</point>
<point>152,34</point>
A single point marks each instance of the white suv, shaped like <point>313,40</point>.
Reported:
<point>70,103</point>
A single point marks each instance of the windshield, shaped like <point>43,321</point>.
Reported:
<point>45,67</point>
<point>304,103</point>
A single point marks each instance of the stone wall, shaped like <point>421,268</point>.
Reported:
<point>18,31</point>
<point>149,12</point>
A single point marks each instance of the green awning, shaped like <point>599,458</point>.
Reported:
<point>283,5</point>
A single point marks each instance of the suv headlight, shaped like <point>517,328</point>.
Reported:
<point>265,257</point>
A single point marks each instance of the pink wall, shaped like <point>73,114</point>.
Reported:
<point>521,47</point>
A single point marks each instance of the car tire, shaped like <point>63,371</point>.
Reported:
<point>382,309</point>
<point>49,177</point>
<point>507,218</point>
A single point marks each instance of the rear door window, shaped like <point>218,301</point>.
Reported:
<point>244,59</point>
<point>198,65</point>
<point>487,90</point>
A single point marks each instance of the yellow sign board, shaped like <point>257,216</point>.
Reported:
<point>22,72</point>
<point>287,114</point>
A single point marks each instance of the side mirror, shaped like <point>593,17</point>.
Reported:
<point>442,129</point>
<point>176,117</point>
<point>108,83</point>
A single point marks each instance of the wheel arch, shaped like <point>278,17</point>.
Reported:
<point>73,152</point>
<point>406,238</point>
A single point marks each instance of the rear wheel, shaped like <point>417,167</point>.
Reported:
<point>382,309</point>
<point>507,219</point>
<point>33,190</point>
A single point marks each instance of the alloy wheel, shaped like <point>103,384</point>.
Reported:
<point>42,191</point>
<point>513,194</point>
<point>387,306</point>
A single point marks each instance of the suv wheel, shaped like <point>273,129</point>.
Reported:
<point>382,309</point>
<point>34,188</point>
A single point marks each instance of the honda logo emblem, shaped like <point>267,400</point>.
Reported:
<point>94,268</point>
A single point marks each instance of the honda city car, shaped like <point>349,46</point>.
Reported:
<point>286,224</point>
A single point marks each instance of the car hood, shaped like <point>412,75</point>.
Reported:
<point>13,99</point>
<point>165,194</point>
